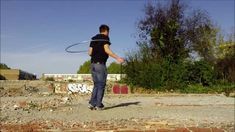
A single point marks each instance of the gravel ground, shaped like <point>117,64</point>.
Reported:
<point>122,112</point>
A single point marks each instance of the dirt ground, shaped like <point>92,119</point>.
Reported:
<point>44,111</point>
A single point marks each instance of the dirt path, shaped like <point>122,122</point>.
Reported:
<point>123,113</point>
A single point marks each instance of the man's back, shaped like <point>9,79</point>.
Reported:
<point>98,53</point>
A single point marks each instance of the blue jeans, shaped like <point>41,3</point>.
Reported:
<point>99,76</point>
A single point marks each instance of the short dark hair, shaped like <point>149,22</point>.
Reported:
<point>103,28</point>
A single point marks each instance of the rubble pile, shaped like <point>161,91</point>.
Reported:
<point>123,125</point>
<point>24,87</point>
<point>62,106</point>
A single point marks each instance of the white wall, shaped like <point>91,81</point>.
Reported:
<point>82,77</point>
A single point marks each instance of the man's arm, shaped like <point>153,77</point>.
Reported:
<point>110,53</point>
<point>90,51</point>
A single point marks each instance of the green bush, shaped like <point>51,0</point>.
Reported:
<point>85,68</point>
<point>195,88</point>
<point>114,68</point>
<point>71,80</point>
<point>161,75</point>
<point>167,75</point>
<point>200,72</point>
<point>49,79</point>
<point>223,86</point>
<point>4,66</point>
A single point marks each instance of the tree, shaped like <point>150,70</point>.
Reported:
<point>114,68</point>
<point>4,66</point>
<point>85,68</point>
<point>201,35</point>
<point>169,36</point>
<point>169,32</point>
<point>162,31</point>
<point>225,63</point>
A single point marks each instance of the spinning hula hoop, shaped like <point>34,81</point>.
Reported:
<point>67,49</point>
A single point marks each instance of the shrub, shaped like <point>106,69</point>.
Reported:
<point>200,72</point>
<point>71,80</point>
<point>49,79</point>
<point>161,75</point>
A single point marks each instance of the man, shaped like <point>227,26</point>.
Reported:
<point>100,51</point>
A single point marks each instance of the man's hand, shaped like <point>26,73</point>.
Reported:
<point>110,53</point>
<point>90,51</point>
<point>120,60</point>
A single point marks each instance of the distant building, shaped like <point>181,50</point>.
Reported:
<point>16,74</point>
<point>80,77</point>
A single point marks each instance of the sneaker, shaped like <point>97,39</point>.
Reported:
<point>99,108</point>
<point>91,107</point>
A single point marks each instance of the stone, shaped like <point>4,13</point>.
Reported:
<point>16,107</point>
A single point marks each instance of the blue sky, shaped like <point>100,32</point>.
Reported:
<point>34,33</point>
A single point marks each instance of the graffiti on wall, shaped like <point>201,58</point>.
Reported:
<point>83,88</point>
<point>79,88</point>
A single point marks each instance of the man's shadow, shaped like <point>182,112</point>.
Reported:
<point>122,105</point>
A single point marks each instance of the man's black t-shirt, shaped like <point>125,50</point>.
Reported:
<point>98,52</point>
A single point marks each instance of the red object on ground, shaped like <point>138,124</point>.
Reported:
<point>116,89</point>
<point>124,89</point>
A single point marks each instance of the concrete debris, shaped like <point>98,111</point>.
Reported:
<point>31,89</point>
<point>16,107</point>
<point>45,93</point>
<point>65,100</point>
<point>60,87</point>
<point>37,108</point>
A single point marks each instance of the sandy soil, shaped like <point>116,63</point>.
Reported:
<point>139,112</point>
